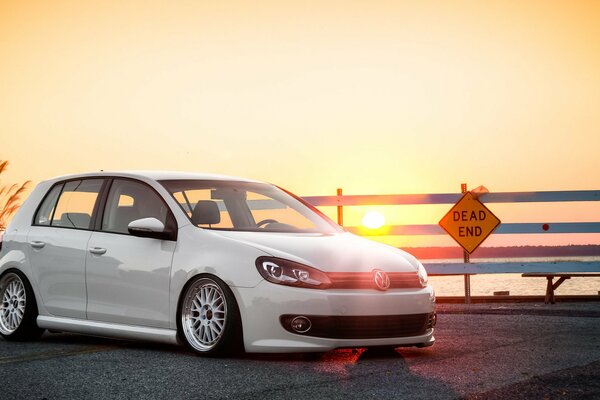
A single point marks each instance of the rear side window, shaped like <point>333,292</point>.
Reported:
<point>44,214</point>
<point>75,205</point>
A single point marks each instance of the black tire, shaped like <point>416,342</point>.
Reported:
<point>15,290</point>
<point>197,328</point>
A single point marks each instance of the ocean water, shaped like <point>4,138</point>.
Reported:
<point>487,284</point>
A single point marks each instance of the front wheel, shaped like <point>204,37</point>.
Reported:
<point>209,319</point>
<point>18,310</point>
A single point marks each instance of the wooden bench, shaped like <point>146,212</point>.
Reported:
<point>551,286</point>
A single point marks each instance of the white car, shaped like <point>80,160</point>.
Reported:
<point>218,263</point>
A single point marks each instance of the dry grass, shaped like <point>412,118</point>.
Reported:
<point>10,197</point>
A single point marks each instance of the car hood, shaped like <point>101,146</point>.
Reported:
<point>341,252</point>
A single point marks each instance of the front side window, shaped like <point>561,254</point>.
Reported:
<point>76,204</point>
<point>246,206</point>
<point>130,200</point>
<point>189,199</point>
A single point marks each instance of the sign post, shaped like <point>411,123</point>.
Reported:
<point>466,259</point>
<point>469,223</point>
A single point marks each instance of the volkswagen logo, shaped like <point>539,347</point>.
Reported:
<point>381,279</point>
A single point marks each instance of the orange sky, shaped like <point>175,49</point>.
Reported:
<point>373,97</point>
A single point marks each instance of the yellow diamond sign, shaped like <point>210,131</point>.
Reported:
<point>469,222</point>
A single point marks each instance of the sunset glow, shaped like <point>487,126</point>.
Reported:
<point>372,97</point>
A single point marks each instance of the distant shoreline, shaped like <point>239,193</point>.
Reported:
<point>433,253</point>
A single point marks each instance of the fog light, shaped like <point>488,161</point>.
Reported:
<point>301,324</point>
<point>432,320</point>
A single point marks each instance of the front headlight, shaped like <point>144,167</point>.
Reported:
<point>290,273</point>
<point>422,275</point>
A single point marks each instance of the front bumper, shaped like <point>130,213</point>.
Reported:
<point>263,306</point>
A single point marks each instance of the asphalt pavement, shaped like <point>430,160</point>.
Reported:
<point>483,351</point>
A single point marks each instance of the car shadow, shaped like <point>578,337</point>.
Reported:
<point>350,373</point>
<point>360,372</point>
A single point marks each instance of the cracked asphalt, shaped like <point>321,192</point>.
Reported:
<point>483,351</point>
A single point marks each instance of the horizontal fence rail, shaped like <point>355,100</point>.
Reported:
<point>451,198</point>
<point>434,268</point>
<point>505,228</point>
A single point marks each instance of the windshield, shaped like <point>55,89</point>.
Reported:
<point>246,206</point>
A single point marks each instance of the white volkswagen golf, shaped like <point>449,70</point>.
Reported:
<point>221,264</point>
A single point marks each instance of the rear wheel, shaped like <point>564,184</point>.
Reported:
<point>209,319</point>
<point>18,310</point>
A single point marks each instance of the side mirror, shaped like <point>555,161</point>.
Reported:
<point>150,228</point>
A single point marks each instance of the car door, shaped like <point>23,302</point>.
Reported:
<point>128,276</point>
<point>58,243</point>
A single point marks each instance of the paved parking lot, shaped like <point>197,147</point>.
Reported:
<point>483,351</point>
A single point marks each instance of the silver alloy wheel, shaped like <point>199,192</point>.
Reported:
<point>13,304</point>
<point>204,314</point>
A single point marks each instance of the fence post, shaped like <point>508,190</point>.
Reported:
<point>340,210</point>
<point>466,258</point>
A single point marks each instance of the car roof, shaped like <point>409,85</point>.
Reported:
<point>156,175</point>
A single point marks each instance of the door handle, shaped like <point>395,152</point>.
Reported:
<point>97,250</point>
<point>37,244</point>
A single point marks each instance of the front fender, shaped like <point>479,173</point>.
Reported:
<point>201,252</point>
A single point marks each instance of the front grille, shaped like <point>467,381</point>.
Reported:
<point>364,280</point>
<point>363,327</point>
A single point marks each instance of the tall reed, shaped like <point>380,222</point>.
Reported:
<point>10,198</point>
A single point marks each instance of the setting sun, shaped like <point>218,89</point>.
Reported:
<point>373,220</point>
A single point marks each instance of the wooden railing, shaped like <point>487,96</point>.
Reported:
<point>470,268</point>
